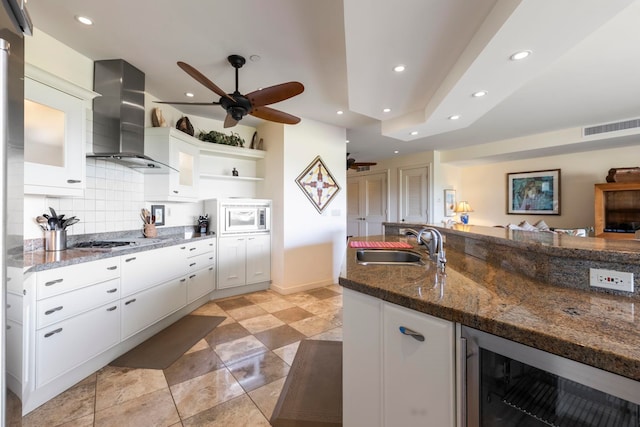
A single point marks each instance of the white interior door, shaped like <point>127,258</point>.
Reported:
<point>366,204</point>
<point>414,203</point>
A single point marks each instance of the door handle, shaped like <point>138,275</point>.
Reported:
<point>415,335</point>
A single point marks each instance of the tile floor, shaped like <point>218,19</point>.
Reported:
<point>232,377</point>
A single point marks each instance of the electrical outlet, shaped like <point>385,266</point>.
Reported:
<point>610,279</point>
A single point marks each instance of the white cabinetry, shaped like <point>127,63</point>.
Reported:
<point>55,132</point>
<point>201,260</point>
<point>409,376</point>
<point>142,270</point>
<point>243,260</point>
<point>175,148</point>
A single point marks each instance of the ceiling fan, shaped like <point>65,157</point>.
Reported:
<point>237,105</point>
<point>352,164</point>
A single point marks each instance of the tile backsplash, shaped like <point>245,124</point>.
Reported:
<point>113,197</point>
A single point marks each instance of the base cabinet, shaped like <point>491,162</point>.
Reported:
<point>398,365</point>
<point>243,260</point>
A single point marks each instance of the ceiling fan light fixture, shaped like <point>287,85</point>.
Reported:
<point>520,55</point>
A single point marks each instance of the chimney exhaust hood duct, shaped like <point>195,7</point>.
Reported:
<point>118,116</point>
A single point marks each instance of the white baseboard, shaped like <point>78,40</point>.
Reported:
<point>302,287</point>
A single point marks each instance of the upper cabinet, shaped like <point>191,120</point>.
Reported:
<point>55,128</point>
<point>199,163</point>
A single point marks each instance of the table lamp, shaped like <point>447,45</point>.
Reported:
<point>463,208</point>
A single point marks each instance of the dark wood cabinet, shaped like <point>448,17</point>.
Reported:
<point>617,210</point>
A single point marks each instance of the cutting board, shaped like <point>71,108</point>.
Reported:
<point>380,245</point>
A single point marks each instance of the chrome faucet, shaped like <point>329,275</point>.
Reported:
<point>435,245</point>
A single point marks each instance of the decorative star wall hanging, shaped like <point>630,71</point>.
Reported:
<point>317,183</point>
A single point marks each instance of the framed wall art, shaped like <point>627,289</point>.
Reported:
<point>449,202</point>
<point>317,183</point>
<point>157,214</point>
<point>534,193</point>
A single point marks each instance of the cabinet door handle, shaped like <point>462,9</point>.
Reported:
<point>48,334</point>
<point>192,264</point>
<point>53,282</point>
<point>210,268</point>
<point>183,247</point>
<point>175,191</point>
<point>74,181</point>
<point>130,301</point>
<point>130,259</point>
<point>193,249</point>
<point>112,308</point>
<point>113,267</point>
<point>53,310</point>
<point>192,276</point>
<point>252,238</point>
<point>110,291</point>
<point>183,280</point>
<point>415,335</point>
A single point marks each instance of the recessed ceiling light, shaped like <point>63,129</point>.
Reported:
<point>255,58</point>
<point>520,55</point>
<point>386,110</point>
<point>398,68</point>
<point>480,93</point>
<point>84,20</point>
<point>188,94</point>
<point>347,141</point>
<point>454,117</point>
<point>414,133</point>
<point>339,112</point>
<point>396,152</point>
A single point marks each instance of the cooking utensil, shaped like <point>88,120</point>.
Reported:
<point>53,223</point>
<point>42,220</point>
<point>53,212</point>
<point>69,222</point>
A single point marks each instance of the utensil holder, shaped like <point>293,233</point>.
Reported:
<point>150,230</point>
<point>55,240</point>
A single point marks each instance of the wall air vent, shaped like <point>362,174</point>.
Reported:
<point>611,127</point>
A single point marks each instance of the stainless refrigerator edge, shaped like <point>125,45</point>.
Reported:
<point>14,24</point>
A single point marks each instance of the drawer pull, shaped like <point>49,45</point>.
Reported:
<point>8,327</point>
<point>113,267</point>
<point>192,249</point>
<point>74,181</point>
<point>53,282</point>
<point>183,280</point>
<point>8,306</point>
<point>53,310</point>
<point>252,238</point>
<point>210,268</point>
<point>130,259</point>
<point>112,308</point>
<point>192,276</point>
<point>48,334</point>
<point>415,335</point>
<point>110,291</point>
<point>175,191</point>
<point>183,247</point>
<point>130,301</point>
<point>210,257</point>
<point>192,264</point>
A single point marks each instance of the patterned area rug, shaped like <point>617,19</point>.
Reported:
<point>165,347</point>
<point>312,393</point>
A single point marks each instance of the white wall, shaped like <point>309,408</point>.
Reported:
<point>484,186</point>
<point>310,251</point>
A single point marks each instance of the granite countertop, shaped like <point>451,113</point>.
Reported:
<point>597,329</point>
<point>39,259</point>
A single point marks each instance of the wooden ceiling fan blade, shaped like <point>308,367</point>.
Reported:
<point>229,121</point>
<point>274,115</point>
<point>202,79</point>
<point>273,94</point>
<point>186,103</point>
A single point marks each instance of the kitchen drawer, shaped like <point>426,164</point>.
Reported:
<point>63,306</point>
<point>147,307</point>
<point>201,261</point>
<point>143,270</point>
<point>72,342</point>
<point>14,307</point>
<point>200,283</point>
<point>198,247</point>
<point>64,279</point>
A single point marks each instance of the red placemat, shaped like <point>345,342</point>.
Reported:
<point>380,245</point>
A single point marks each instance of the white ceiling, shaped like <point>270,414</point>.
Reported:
<point>583,70</point>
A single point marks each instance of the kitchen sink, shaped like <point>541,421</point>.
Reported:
<point>388,257</point>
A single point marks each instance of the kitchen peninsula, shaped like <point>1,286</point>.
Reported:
<point>529,288</point>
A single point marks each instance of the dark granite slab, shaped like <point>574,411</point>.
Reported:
<point>597,329</point>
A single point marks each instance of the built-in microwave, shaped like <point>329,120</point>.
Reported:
<point>233,216</point>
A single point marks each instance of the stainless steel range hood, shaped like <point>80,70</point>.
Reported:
<point>118,116</point>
